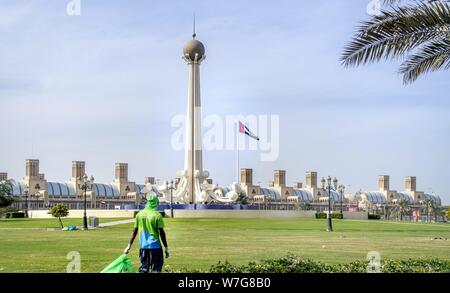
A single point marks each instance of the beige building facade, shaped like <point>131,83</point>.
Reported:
<point>35,191</point>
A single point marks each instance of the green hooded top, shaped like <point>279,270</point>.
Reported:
<point>152,203</point>
<point>148,222</point>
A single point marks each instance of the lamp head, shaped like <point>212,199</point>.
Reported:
<point>329,180</point>
<point>335,181</point>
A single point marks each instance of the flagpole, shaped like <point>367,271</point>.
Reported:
<point>237,153</point>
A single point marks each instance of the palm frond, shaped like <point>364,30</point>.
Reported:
<point>433,56</point>
<point>397,31</point>
<point>390,2</point>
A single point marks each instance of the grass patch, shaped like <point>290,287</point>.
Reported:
<point>198,244</point>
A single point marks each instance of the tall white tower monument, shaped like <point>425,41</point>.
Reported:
<point>193,177</point>
<point>192,186</point>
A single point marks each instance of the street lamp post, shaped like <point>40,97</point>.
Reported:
<point>329,187</point>
<point>341,189</point>
<point>37,201</point>
<point>87,184</point>
<point>170,186</point>
<point>36,195</point>
<point>26,190</point>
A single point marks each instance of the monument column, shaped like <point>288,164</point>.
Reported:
<point>194,54</point>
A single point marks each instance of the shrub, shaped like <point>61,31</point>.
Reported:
<point>10,209</point>
<point>337,216</point>
<point>374,217</point>
<point>419,265</point>
<point>295,264</point>
<point>16,215</point>
<point>322,215</point>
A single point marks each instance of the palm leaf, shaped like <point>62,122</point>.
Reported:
<point>422,30</point>
<point>393,33</point>
<point>431,57</point>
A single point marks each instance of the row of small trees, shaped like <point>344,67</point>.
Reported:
<point>7,199</point>
<point>402,209</point>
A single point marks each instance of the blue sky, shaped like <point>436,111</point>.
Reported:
<point>103,86</point>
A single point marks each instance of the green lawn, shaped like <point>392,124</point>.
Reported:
<point>199,243</point>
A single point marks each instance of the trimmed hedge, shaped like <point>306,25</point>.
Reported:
<point>323,215</point>
<point>296,264</point>
<point>337,216</point>
<point>374,217</point>
<point>11,215</point>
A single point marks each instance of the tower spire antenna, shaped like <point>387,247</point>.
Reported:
<point>193,28</point>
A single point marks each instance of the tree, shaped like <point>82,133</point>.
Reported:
<point>6,198</point>
<point>242,198</point>
<point>417,30</point>
<point>305,206</point>
<point>427,205</point>
<point>400,209</point>
<point>59,211</point>
<point>437,212</point>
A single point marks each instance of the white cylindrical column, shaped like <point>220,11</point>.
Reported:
<point>193,55</point>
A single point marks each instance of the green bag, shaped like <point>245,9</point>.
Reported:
<point>120,265</point>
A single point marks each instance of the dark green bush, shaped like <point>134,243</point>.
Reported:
<point>374,217</point>
<point>15,215</point>
<point>337,216</point>
<point>296,264</point>
<point>4,211</point>
<point>322,215</point>
<point>418,265</point>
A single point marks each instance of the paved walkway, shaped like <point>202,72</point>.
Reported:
<point>25,228</point>
<point>114,223</point>
<point>107,224</point>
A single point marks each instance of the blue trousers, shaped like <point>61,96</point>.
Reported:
<point>152,260</point>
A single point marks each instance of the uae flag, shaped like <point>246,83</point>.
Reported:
<point>244,129</point>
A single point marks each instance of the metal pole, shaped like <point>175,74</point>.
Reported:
<point>26,204</point>
<point>85,225</point>
<point>171,201</point>
<point>330,224</point>
<point>237,153</point>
